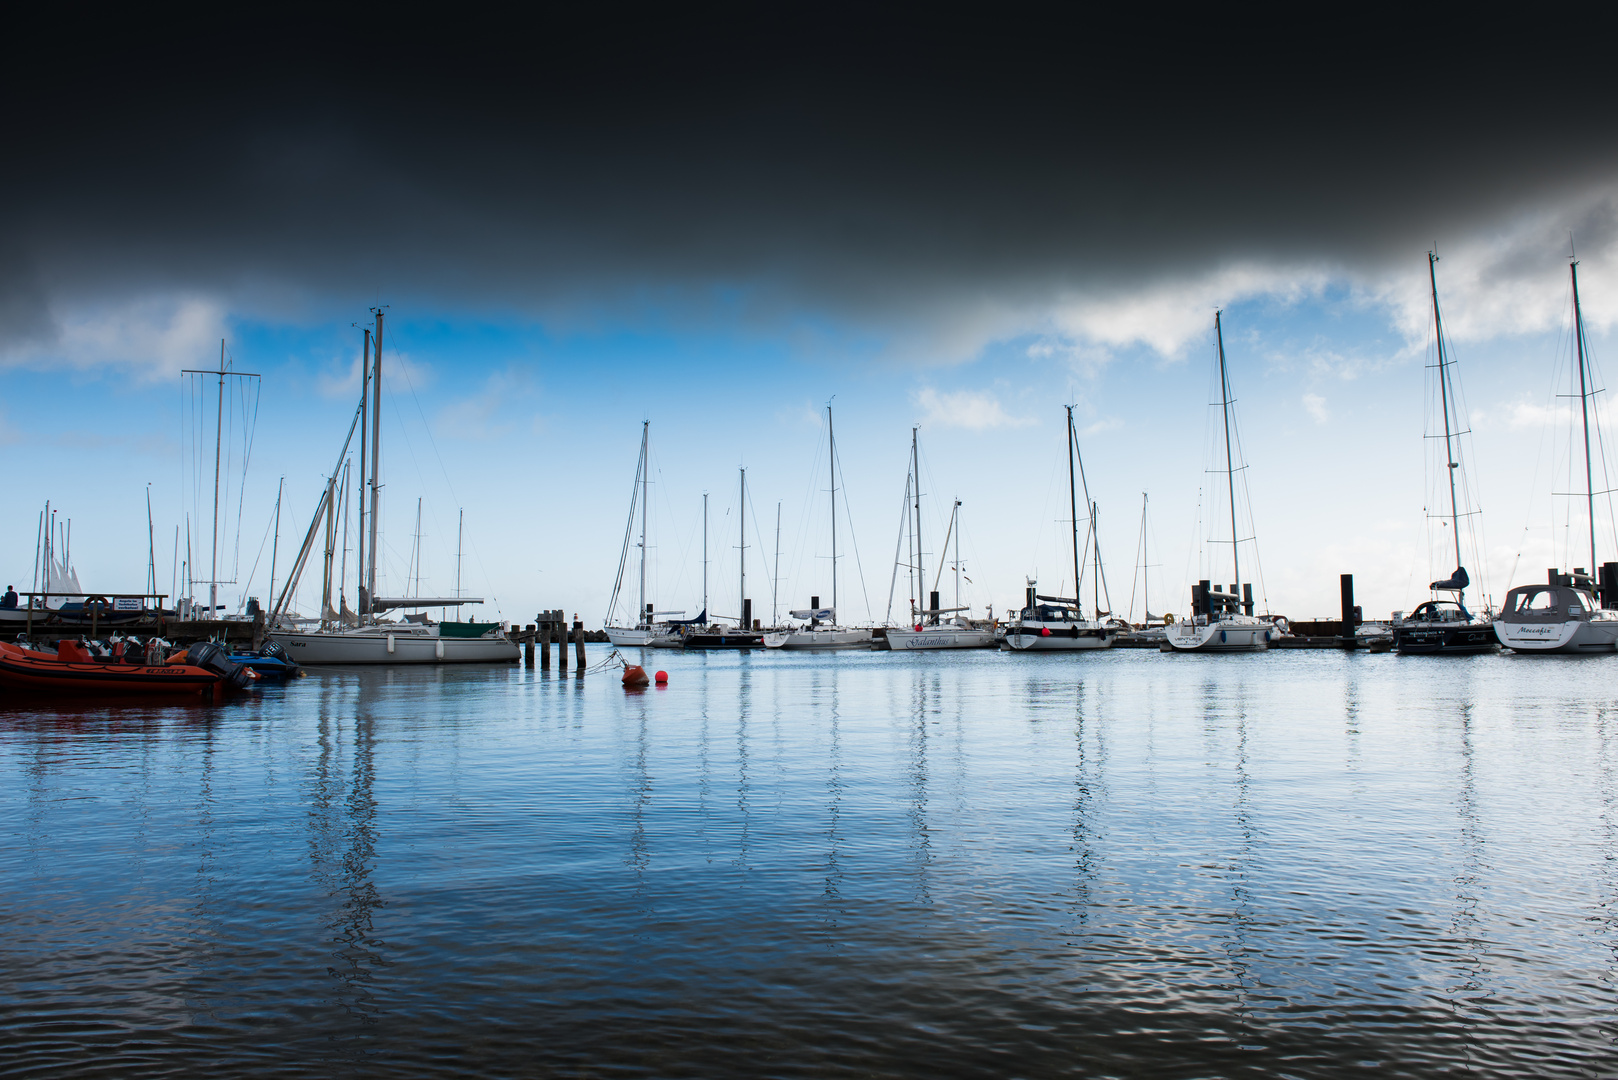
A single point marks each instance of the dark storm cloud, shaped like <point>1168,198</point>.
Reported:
<point>871,168</point>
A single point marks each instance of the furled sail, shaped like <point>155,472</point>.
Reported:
<point>1454,582</point>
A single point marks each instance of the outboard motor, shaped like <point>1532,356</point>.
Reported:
<point>276,651</point>
<point>212,656</point>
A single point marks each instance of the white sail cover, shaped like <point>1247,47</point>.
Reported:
<point>824,614</point>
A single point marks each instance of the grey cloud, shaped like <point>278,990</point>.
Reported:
<point>882,171</point>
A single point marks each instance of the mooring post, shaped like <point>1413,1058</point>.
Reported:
<point>561,641</point>
<point>1346,635</point>
<point>578,641</point>
<point>747,616</point>
<point>932,602</point>
<point>528,649</point>
<point>545,630</point>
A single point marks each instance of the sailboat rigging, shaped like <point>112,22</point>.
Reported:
<point>1445,627</point>
<point>1571,612</point>
<point>822,631</point>
<point>374,640</point>
<point>1057,623</point>
<point>1223,621</point>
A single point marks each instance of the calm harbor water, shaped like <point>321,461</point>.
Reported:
<point>1298,864</point>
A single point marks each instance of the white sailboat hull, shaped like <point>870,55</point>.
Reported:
<point>819,639</point>
<point>1572,636</point>
<point>940,637</point>
<point>1059,636</point>
<point>1225,635</point>
<point>395,645</point>
<point>625,637</point>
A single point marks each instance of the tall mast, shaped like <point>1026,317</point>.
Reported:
<point>1584,405</point>
<point>915,467</point>
<point>956,526</point>
<point>460,538</point>
<point>1443,397</point>
<point>1095,534</point>
<point>1145,583</point>
<point>1073,511</point>
<point>346,503</point>
<point>365,387</point>
<point>218,444</point>
<point>705,557</point>
<point>775,573</point>
<point>1230,469</point>
<point>39,540</point>
<point>416,548</point>
<point>275,545</point>
<point>645,434</point>
<point>376,461</point>
<point>151,546</point>
<point>831,439</point>
<point>741,520</point>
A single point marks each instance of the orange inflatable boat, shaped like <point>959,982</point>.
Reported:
<point>204,671</point>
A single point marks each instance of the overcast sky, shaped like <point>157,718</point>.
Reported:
<point>718,224</point>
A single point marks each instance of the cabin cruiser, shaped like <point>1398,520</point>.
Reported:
<point>1561,616</point>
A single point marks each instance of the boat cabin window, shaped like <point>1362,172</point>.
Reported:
<point>1548,601</point>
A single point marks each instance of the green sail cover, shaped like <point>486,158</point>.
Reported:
<point>465,629</point>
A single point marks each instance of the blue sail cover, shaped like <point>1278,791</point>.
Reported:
<point>1455,582</point>
<point>700,620</point>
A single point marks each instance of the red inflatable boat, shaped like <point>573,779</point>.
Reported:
<point>203,671</point>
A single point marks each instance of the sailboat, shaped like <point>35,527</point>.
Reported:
<point>823,631</point>
<point>374,641</point>
<point>1445,627</point>
<point>743,635</point>
<point>958,632</point>
<point>680,628</point>
<point>1223,621</point>
<point>646,631</point>
<point>1564,615</point>
<point>1057,623</point>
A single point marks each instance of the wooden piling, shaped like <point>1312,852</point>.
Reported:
<point>561,651</point>
<point>528,648</point>
<point>578,641</point>
<point>545,631</point>
<point>1345,636</point>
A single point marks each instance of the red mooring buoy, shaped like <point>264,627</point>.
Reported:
<point>635,675</point>
<point>662,678</point>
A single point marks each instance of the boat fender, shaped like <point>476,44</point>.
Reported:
<point>390,644</point>
<point>1044,631</point>
<point>438,648</point>
<point>635,675</point>
<point>1221,637</point>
